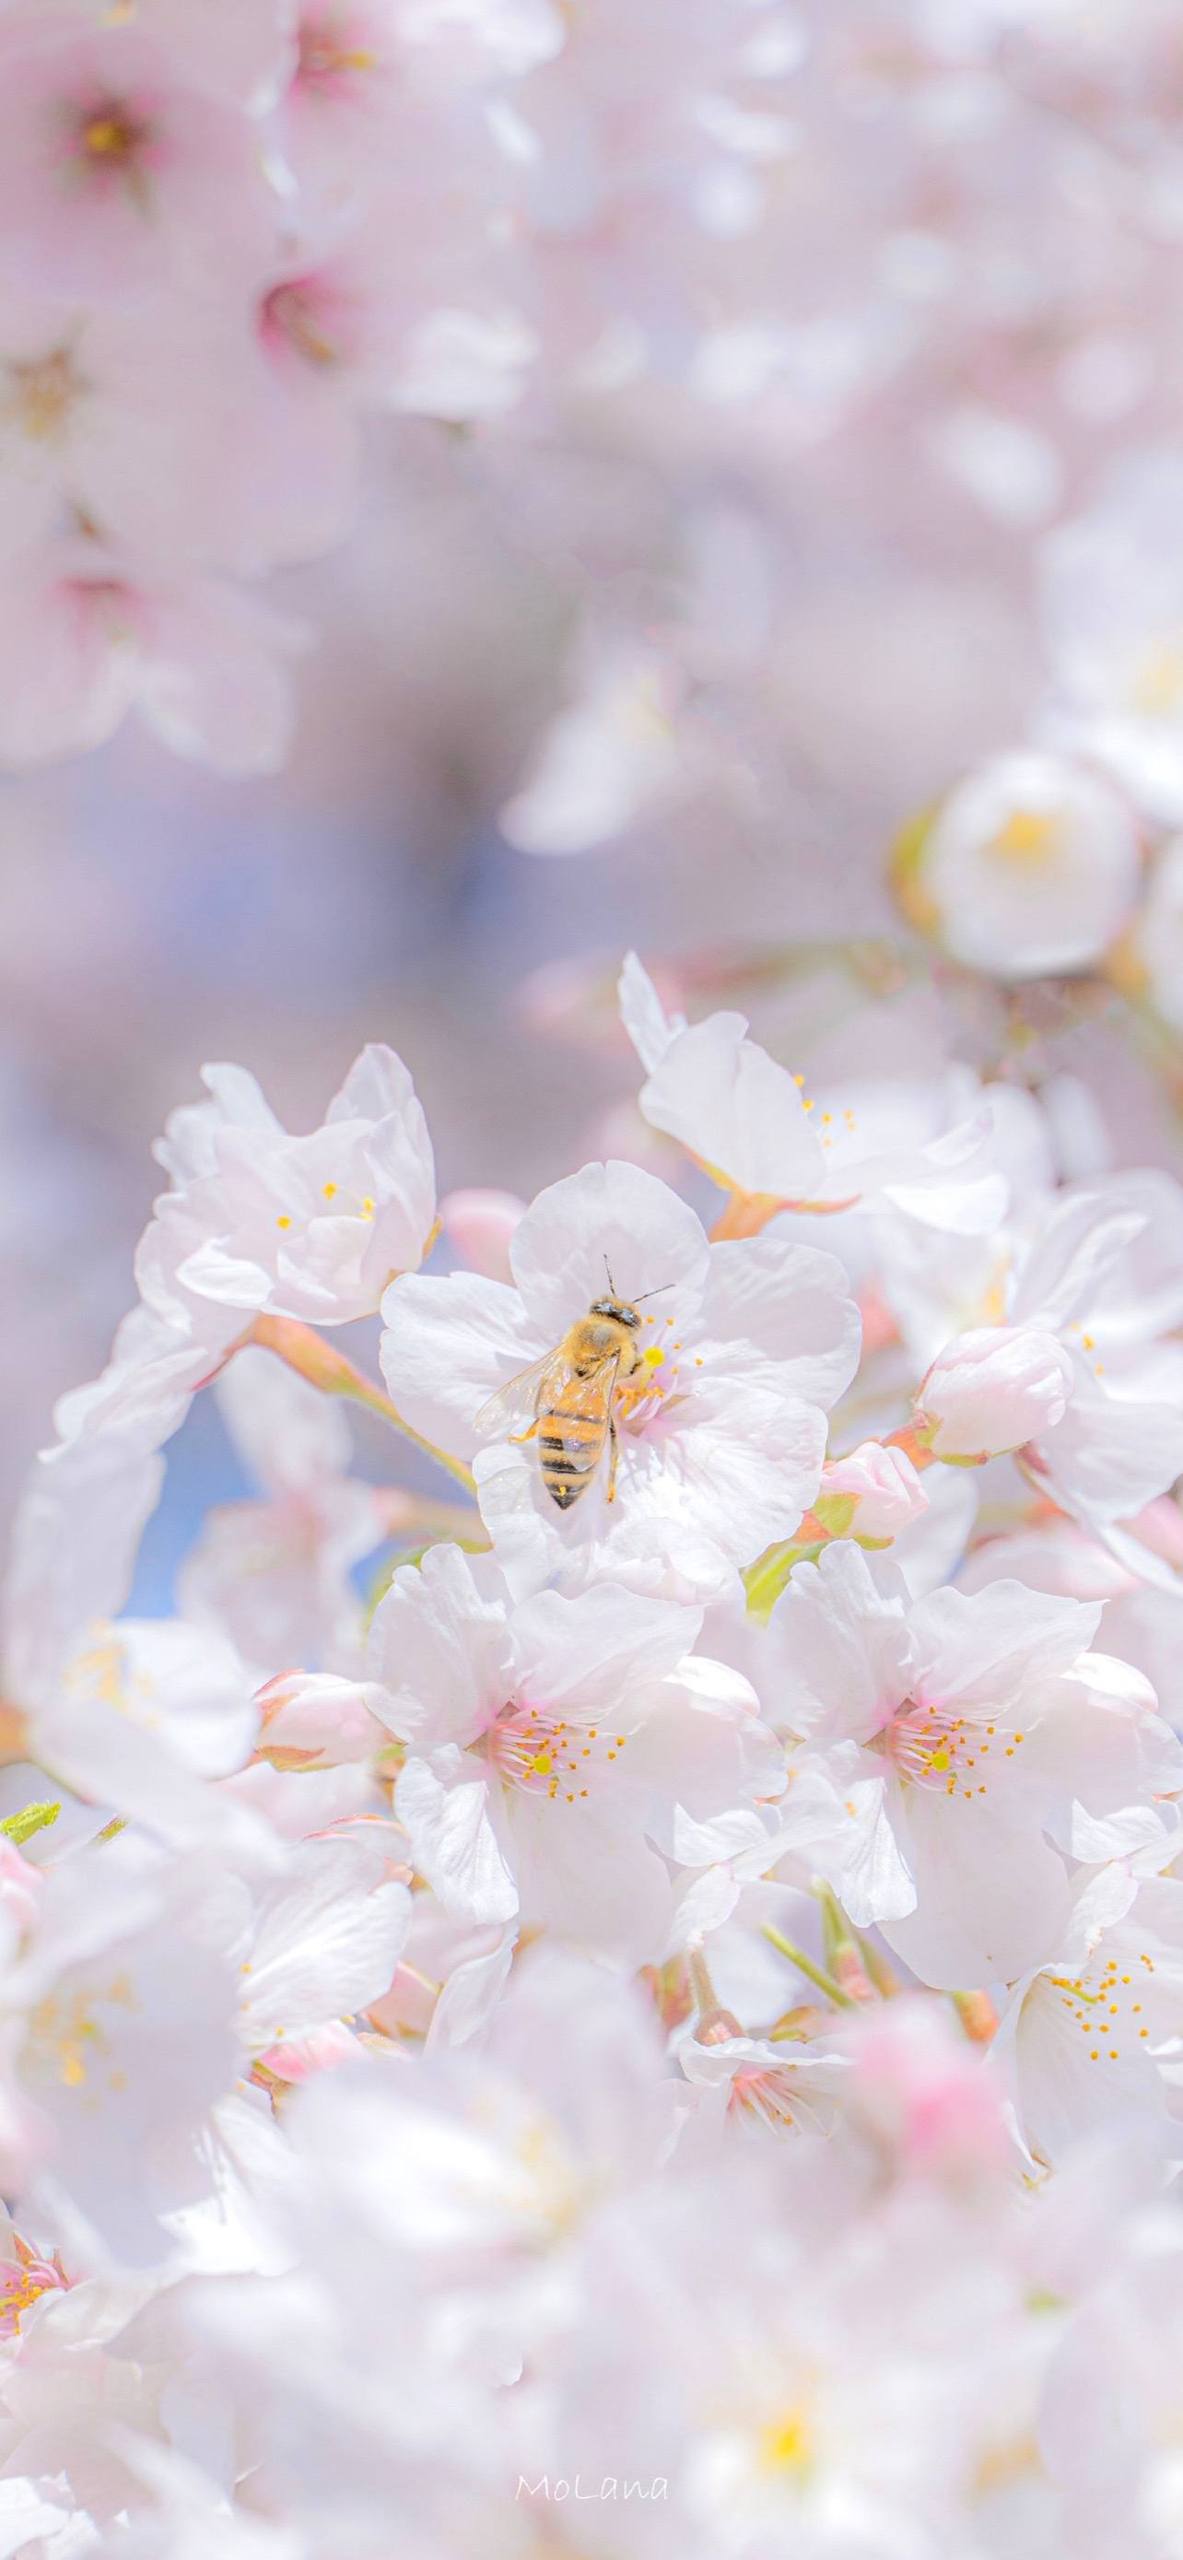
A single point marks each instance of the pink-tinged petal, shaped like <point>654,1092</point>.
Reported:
<point>1113,1451</point>
<point>1112,1770</point>
<point>114,175</point>
<point>1074,2083</point>
<point>702,1774</point>
<point>868,1863</point>
<point>444,1806</point>
<point>992,1390</point>
<point>586,1876</point>
<point>592,1656</point>
<point>68,657</point>
<point>730,1105</point>
<point>794,1304</point>
<point>441,1652</point>
<point>845,1655</point>
<point>472,1992</point>
<point>327,1937</point>
<point>448,1345</point>
<point>981,1647</point>
<point>480,1225</point>
<point>316,1720</point>
<point>991,1893</point>
<point>301,2059</point>
<point>610,1229</point>
<point>1111,1250</point>
<point>643,1014</point>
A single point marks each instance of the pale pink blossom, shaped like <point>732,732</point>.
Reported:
<point>751,1124</point>
<point>722,1433</point>
<point>115,174</point>
<point>992,1389</point>
<point>977,1749</point>
<point>565,1756</point>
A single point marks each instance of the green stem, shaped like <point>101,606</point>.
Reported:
<point>822,1981</point>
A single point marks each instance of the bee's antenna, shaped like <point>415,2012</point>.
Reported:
<point>653,1293</point>
<point>611,1281</point>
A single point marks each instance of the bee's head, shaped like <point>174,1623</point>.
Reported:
<point>618,1309</point>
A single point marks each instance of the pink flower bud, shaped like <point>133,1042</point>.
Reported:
<point>478,1225</point>
<point>883,1486</point>
<point>993,1390</point>
<point>313,1720</point>
<point>921,2092</point>
<point>304,2056</point>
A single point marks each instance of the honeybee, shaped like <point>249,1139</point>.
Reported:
<point>571,1395</point>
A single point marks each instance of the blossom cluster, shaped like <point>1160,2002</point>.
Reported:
<point>621,1991</point>
<point>639,268</point>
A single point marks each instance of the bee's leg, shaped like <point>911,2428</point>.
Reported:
<point>614,1451</point>
<point>518,1438</point>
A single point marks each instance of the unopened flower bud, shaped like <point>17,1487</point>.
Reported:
<point>878,1490</point>
<point>992,1390</point>
<point>313,1720</point>
<point>479,1225</point>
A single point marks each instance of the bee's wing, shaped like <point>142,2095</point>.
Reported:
<point>589,1390</point>
<point>519,1399</point>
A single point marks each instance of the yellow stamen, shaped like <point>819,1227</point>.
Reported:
<point>1030,836</point>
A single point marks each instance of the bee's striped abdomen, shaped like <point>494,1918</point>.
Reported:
<point>570,1446</point>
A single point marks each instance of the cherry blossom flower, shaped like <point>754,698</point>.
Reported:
<point>309,1226</point>
<point>748,1122</point>
<point>87,635</point>
<point>741,1348</point>
<point>976,1747</point>
<point>1031,866</point>
<point>1094,2027</point>
<point>118,2029</point>
<point>565,1754</point>
<point>716,1951</point>
<point>1100,1272</point>
<point>992,1390</point>
<point>116,174</point>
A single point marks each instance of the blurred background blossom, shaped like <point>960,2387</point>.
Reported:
<point>612,474</point>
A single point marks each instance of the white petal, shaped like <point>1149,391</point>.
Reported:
<point>794,1304</point>
<point>448,1345</point>
<point>444,1804</point>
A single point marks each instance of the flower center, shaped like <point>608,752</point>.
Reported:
<point>112,136</point>
<point>338,1204</point>
<point>1108,2005</point>
<point>324,53</point>
<point>932,1746</point>
<point>539,1755</point>
<point>1029,838</point>
<point>768,2097</point>
<point>66,2038</point>
<point>787,2444</point>
<point>655,1385</point>
<point>23,2280</point>
<point>42,394</point>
